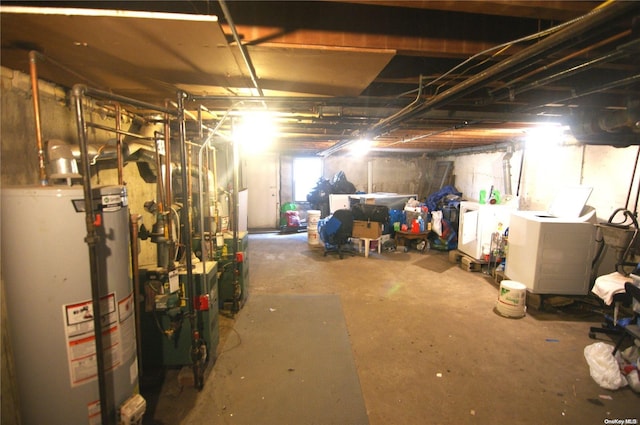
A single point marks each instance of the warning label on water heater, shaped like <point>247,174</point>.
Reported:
<point>80,339</point>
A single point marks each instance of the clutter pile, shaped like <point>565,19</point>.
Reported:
<point>611,371</point>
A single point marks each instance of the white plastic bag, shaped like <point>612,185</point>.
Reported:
<point>603,366</point>
<point>436,222</point>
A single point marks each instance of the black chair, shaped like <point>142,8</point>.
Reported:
<point>336,233</point>
<point>614,328</point>
<point>631,330</point>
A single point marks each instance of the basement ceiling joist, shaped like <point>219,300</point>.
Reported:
<point>334,70</point>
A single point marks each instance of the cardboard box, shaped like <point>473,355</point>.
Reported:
<point>366,229</point>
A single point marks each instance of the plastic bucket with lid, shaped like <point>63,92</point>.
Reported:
<point>512,299</point>
<point>313,216</point>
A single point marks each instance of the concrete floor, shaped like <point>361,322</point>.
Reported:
<point>428,346</point>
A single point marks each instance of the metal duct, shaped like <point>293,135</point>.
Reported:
<point>615,128</point>
<point>506,170</point>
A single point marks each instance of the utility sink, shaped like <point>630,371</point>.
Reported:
<point>618,236</point>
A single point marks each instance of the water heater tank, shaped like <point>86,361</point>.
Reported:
<point>46,272</point>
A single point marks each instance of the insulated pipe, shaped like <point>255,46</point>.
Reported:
<point>543,47</point>
<point>33,71</point>
<point>92,239</point>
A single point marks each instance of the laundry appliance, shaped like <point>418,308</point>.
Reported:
<point>477,224</point>
<point>550,252</point>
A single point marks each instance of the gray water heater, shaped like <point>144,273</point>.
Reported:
<point>46,272</point>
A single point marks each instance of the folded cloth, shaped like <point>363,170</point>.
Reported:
<point>608,285</point>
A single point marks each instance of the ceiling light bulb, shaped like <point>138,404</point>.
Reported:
<point>360,147</point>
<point>255,131</point>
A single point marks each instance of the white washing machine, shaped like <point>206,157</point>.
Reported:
<point>551,255</point>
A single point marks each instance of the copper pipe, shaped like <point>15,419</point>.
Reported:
<point>119,145</point>
<point>33,71</point>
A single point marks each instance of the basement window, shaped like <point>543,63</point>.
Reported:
<point>306,173</point>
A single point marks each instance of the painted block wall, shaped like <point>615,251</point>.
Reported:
<point>607,169</point>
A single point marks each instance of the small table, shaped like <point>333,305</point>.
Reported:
<point>367,244</point>
<point>409,236</point>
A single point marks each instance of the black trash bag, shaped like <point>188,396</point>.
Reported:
<point>318,198</point>
<point>340,184</point>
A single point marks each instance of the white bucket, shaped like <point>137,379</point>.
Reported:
<point>512,299</point>
<point>313,217</point>
<point>313,237</point>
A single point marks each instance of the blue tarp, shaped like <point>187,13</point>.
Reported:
<point>432,200</point>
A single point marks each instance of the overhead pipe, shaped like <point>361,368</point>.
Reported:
<point>33,72</point>
<point>475,149</point>
<point>543,47</point>
<point>243,49</point>
<point>97,93</point>
<point>559,61</point>
<point>344,143</point>
<point>601,88</point>
<point>622,51</point>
